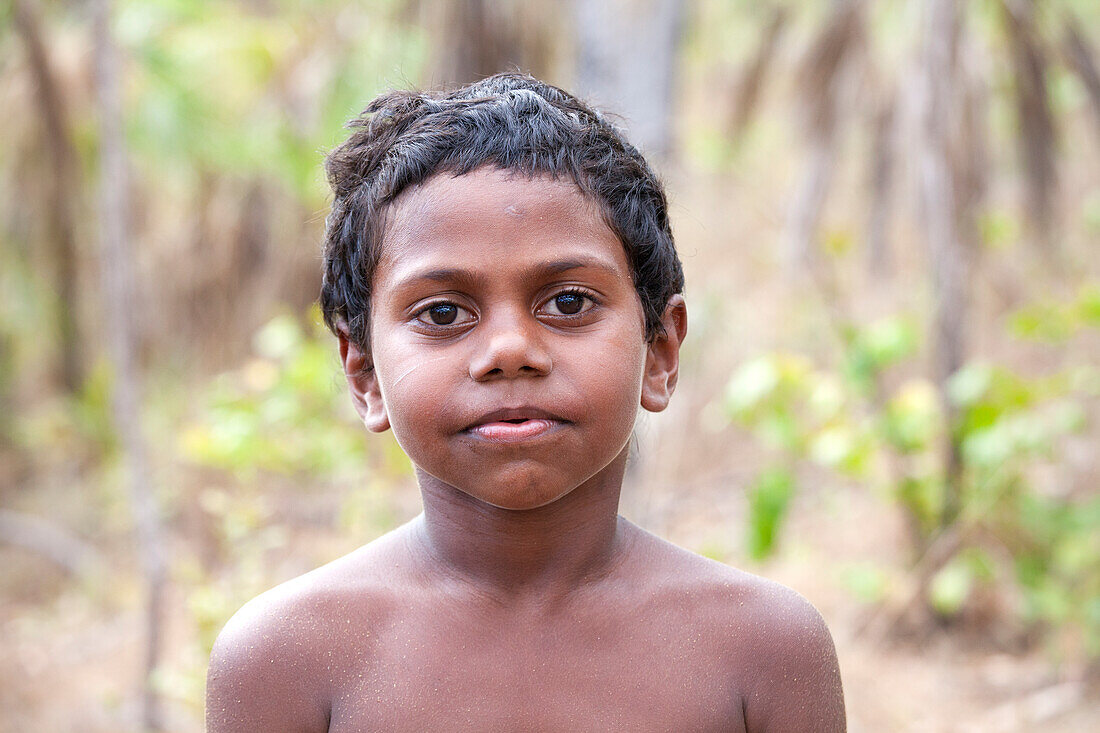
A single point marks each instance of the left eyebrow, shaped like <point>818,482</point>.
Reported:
<point>557,267</point>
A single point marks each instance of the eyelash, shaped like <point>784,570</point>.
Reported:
<point>577,291</point>
<point>438,327</point>
<point>580,292</point>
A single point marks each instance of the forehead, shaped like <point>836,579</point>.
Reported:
<point>490,220</point>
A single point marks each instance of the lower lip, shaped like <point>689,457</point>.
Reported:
<point>512,432</point>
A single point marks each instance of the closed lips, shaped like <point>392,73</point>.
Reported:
<point>514,424</point>
<point>516,415</point>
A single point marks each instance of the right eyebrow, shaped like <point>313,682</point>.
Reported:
<point>457,275</point>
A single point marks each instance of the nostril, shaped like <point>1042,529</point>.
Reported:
<point>508,357</point>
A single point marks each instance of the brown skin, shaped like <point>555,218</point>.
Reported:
<point>519,599</point>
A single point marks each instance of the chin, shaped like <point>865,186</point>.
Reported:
<point>520,491</point>
<point>520,485</point>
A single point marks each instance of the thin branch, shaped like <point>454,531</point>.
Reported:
<point>116,260</point>
<point>883,164</point>
<point>51,541</point>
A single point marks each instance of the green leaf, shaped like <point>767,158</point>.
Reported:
<point>751,384</point>
<point>769,499</point>
<point>827,397</point>
<point>1043,322</point>
<point>913,417</point>
<point>1088,305</point>
<point>838,242</point>
<point>969,384</point>
<point>876,347</point>
<point>834,446</point>
<point>999,229</point>
<point>867,582</point>
<point>1090,212</point>
<point>278,339</point>
<point>890,340</point>
<point>921,496</point>
<point>951,587</point>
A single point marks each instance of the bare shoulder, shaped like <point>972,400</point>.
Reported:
<point>275,661</point>
<point>776,645</point>
<point>795,676</point>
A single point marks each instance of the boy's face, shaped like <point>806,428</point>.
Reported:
<point>507,339</point>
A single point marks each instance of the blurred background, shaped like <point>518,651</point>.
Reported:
<point>889,216</point>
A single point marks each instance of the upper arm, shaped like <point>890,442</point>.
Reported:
<point>259,677</point>
<point>797,682</point>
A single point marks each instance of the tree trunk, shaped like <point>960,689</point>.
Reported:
<point>1036,121</point>
<point>752,80</point>
<point>821,79</point>
<point>474,42</point>
<point>626,64</point>
<point>1082,60</point>
<point>64,186</point>
<point>116,261</point>
<point>808,202</point>
<point>477,38</point>
<point>947,258</point>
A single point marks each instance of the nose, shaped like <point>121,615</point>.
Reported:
<point>511,346</point>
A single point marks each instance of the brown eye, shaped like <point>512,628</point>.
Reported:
<point>569,303</point>
<point>443,314</point>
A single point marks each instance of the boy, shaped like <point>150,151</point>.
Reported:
<point>501,276</point>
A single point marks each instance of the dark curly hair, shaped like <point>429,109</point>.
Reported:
<point>513,122</point>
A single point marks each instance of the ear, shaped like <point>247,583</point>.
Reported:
<point>366,394</point>
<point>662,359</point>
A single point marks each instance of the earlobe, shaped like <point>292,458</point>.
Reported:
<point>662,361</point>
<point>366,393</point>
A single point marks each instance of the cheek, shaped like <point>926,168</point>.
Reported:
<point>413,388</point>
<point>417,374</point>
<point>615,374</point>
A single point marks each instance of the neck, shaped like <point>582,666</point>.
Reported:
<point>548,550</point>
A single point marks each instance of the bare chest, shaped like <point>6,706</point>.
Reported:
<point>568,677</point>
